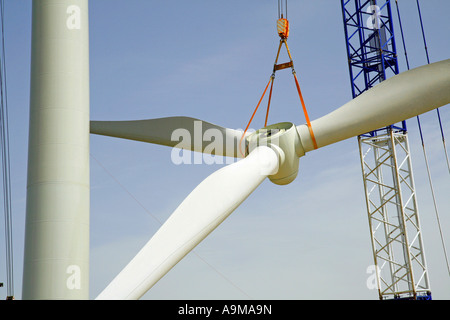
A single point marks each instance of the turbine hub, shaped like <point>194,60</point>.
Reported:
<point>280,137</point>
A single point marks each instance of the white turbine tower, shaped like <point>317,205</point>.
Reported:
<point>56,261</point>
<point>57,227</point>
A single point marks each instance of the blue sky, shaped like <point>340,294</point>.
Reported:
<point>211,60</point>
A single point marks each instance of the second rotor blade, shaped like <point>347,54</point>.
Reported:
<point>396,99</point>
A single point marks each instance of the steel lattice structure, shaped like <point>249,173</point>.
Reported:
<point>386,162</point>
<point>393,216</point>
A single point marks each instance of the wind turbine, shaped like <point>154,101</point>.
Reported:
<point>272,152</point>
<point>56,262</point>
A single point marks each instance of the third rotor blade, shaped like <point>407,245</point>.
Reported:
<point>207,206</point>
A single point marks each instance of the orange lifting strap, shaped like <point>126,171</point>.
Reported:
<point>283,32</point>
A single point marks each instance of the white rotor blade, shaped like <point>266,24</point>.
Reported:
<point>195,134</point>
<point>396,99</point>
<point>199,214</point>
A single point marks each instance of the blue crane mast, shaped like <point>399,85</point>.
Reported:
<point>371,47</point>
<point>399,259</point>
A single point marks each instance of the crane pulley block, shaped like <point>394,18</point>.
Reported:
<point>283,28</point>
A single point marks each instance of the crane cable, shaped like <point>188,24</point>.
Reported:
<point>443,141</point>
<point>421,135</point>
<point>428,60</point>
<point>4,136</point>
<point>283,32</point>
<point>280,9</point>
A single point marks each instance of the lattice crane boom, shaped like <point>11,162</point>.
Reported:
<point>391,200</point>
